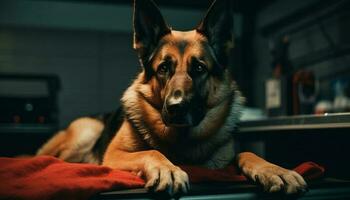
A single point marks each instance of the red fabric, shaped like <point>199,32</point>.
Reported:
<point>308,170</point>
<point>46,177</point>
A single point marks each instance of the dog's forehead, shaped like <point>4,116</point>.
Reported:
<point>183,41</point>
<point>184,35</point>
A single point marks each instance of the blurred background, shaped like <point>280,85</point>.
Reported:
<point>88,45</point>
<point>62,59</point>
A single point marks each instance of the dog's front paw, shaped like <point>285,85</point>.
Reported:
<point>168,178</point>
<point>275,179</point>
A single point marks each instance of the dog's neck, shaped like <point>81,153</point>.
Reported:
<point>220,120</point>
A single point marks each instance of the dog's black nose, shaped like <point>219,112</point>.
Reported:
<point>178,93</point>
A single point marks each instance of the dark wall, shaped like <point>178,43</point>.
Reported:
<point>94,67</point>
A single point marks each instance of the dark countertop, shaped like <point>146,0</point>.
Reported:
<point>327,121</point>
<point>321,189</point>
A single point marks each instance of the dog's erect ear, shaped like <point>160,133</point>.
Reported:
<point>217,26</point>
<point>149,27</point>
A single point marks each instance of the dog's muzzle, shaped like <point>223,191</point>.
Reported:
<point>176,110</point>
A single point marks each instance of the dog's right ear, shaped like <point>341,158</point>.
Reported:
<point>149,27</point>
<point>217,26</point>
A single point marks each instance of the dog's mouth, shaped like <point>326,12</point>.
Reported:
<point>189,118</point>
<point>177,121</point>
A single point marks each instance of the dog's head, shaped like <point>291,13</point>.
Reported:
<point>183,67</point>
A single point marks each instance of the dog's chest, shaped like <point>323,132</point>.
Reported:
<point>209,154</point>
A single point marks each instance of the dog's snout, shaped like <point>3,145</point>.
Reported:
<point>174,109</point>
<point>176,103</point>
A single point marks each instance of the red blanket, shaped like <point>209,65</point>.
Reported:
<point>46,177</point>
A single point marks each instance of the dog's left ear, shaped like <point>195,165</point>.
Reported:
<point>149,27</point>
<point>217,26</point>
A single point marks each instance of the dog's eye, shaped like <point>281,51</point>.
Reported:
<point>199,68</point>
<point>163,68</point>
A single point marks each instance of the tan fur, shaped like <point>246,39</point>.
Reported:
<point>127,152</point>
<point>75,143</point>
<point>272,177</point>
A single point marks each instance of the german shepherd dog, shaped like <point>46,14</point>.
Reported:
<point>181,109</point>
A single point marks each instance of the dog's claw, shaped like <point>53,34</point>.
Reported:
<point>277,179</point>
<point>169,179</point>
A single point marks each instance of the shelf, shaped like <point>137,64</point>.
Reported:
<point>302,122</point>
<point>28,128</point>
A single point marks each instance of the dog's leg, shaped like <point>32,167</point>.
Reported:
<point>160,173</point>
<point>52,147</point>
<point>125,153</point>
<point>272,177</point>
<point>75,143</point>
